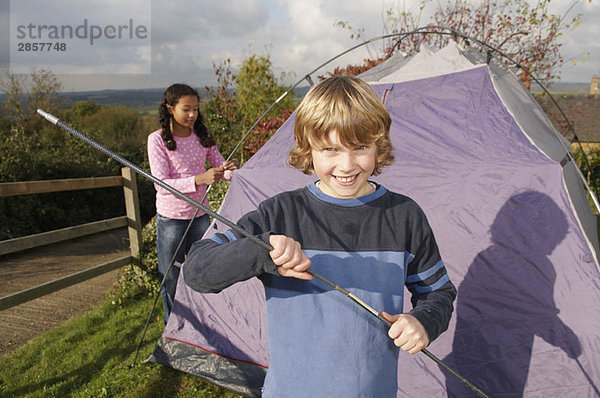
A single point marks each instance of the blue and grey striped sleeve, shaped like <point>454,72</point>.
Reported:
<point>218,262</point>
<point>427,279</point>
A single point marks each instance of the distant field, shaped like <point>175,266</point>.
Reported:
<point>564,88</point>
<point>146,101</point>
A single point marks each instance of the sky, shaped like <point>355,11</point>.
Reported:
<point>182,40</point>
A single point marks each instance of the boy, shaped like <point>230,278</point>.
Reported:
<point>352,231</point>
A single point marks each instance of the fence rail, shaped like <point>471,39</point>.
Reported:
<point>131,220</point>
<point>60,235</point>
<point>72,184</point>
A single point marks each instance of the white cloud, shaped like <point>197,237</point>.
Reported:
<point>236,18</point>
<point>582,46</point>
<point>188,36</point>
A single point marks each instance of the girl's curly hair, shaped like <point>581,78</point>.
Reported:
<point>170,97</point>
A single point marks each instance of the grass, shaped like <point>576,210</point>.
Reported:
<point>89,356</point>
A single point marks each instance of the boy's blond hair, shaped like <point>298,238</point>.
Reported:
<point>350,107</point>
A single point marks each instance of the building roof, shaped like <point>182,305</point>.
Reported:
<point>583,111</point>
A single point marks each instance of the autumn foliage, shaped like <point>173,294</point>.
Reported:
<point>528,34</point>
<point>264,130</point>
<point>239,99</point>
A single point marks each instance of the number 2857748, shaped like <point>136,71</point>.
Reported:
<point>42,46</point>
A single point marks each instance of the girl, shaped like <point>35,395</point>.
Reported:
<point>178,152</point>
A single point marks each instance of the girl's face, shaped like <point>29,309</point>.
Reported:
<point>185,113</point>
<point>344,171</point>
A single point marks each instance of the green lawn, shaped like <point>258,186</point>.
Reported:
<point>89,356</point>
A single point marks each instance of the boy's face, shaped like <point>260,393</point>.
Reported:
<point>344,171</point>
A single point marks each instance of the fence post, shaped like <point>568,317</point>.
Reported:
<point>132,208</point>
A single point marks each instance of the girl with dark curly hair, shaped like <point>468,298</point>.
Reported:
<point>178,152</point>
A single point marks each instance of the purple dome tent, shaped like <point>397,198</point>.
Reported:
<point>511,218</point>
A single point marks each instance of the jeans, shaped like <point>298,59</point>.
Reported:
<point>168,235</point>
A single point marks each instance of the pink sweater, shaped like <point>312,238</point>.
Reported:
<point>178,168</point>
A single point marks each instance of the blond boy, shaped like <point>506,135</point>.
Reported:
<point>348,229</point>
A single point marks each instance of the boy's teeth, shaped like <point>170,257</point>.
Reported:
<point>345,179</point>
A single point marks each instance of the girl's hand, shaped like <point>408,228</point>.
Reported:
<point>231,164</point>
<point>289,257</point>
<point>210,176</point>
<point>407,332</point>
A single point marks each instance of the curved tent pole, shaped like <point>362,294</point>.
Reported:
<point>431,29</point>
<point>56,121</point>
<point>547,92</point>
<point>307,77</point>
<point>164,279</point>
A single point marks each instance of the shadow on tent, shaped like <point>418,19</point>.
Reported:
<point>507,299</point>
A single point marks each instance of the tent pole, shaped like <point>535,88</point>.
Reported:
<point>447,31</point>
<point>378,315</point>
<point>54,120</point>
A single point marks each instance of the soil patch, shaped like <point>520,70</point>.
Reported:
<point>33,267</point>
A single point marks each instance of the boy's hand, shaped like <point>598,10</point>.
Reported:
<point>407,332</point>
<point>289,257</point>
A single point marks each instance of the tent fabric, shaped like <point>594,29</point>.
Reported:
<point>512,224</point>
<point>420,65</point>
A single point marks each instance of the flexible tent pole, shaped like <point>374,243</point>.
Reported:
<point>164,279</point>
<point>447,31</point>
<point>54,120</point>
<point>401,36</point>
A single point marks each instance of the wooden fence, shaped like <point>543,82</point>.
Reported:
<point>132,220</point>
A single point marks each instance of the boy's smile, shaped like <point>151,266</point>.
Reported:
<point>344,171</point>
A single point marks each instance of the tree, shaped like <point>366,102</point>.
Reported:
<point>82,109</point>
<point>44,92</point>
<point>26,94</point>
<point>13,86</point>
<point>222,119</point>
<point>395,19</point>
<point>232,110</point>
<point>529,34</point>
<point>257,88</point>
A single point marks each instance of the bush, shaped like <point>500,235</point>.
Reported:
<point>231,111</point>
<point>590,167</point>
<point>142,278</point>
<point>32,151</point>
<point>30,214</point>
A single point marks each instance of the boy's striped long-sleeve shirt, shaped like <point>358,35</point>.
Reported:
<point>321,343</point>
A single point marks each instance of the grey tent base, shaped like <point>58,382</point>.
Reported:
<point>240,377</point>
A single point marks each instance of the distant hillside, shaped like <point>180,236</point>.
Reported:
<point>564,88</point>
<point>145,99</point>
<point>130,98</point>
<point>140,99</point>
<point>149,99</point>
